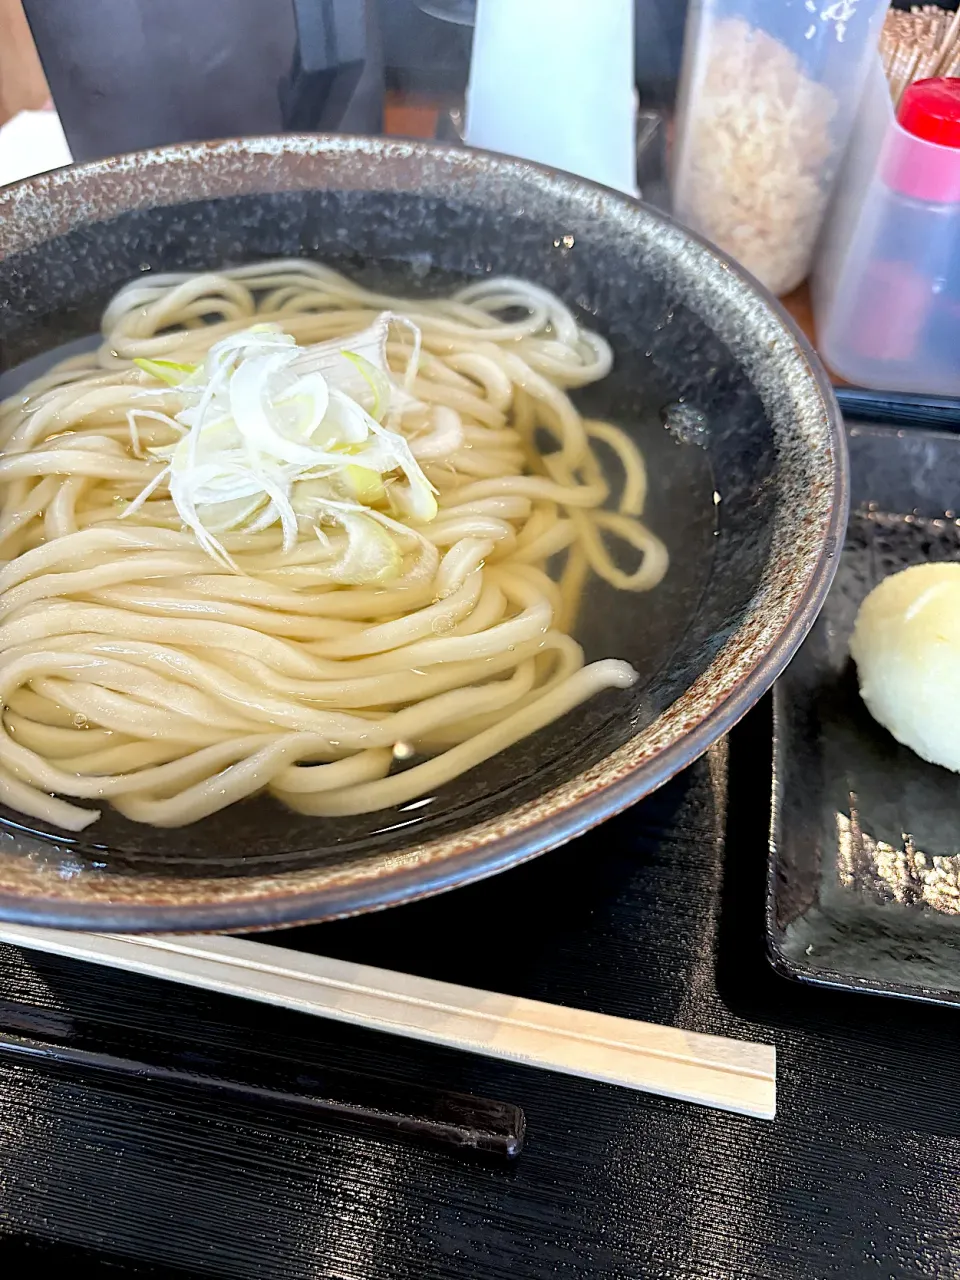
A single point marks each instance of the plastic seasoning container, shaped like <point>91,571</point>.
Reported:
<point>893,322</point>
<point>769,93</point>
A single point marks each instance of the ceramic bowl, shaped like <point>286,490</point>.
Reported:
<point>734,414</point>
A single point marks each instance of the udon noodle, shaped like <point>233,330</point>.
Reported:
<point>172,668</point>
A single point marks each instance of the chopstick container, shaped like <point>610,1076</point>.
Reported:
<point>888,305</point>
<point>769,93</point>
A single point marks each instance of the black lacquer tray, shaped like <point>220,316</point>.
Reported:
<point>657,915</point>
<point>864,887</point>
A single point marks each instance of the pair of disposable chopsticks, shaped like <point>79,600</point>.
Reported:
<point>918,45</point>
<point>732,1075</point>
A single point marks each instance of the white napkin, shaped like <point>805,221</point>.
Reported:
<point>32,142</point>
<point>553,81</point>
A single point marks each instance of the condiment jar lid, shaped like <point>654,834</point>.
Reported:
<point>930,109</point>
<point>923,154</point>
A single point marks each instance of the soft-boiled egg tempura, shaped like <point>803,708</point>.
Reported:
<point>906,644</point>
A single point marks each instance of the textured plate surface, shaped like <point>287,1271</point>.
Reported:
<point>698,348</point>
<point>865,871</point>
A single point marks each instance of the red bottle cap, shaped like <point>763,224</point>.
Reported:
<point>923,156</point>
<point>930,109</point>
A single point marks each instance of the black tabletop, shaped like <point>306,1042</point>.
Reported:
<point>657,915</point>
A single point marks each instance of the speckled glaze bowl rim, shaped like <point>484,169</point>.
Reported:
<point>49,205</point>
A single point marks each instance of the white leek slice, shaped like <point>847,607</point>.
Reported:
<point>416,497</point>
<point>346,422</point>
<point>256,417</point>
<point>221,517</point>
<point>364,485</point>
<point>335,360</point>
<point>371,554</point>
<point>275,434</point>
<point>377,380</point>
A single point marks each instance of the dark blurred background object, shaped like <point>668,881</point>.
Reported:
<point>459,11</point>
<point>126,74</point>
<point>336,81</point>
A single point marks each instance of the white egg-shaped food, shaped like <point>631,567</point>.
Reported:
<point>906,644</point>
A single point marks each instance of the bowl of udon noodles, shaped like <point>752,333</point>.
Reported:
<point>374,516</point>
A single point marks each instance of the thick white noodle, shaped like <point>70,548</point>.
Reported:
<point>137,671</point>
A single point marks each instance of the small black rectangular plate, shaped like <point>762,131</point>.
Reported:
<point>864,878</point>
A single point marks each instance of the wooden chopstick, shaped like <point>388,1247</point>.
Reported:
<point>732,1075</point>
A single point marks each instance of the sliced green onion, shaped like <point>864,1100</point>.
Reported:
<point>376,380</point>
<point>167,371</point>
<point>279,435</point>
<point>371,556</point>
<point>364,484</point>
